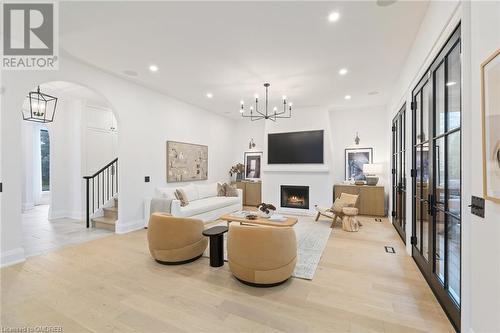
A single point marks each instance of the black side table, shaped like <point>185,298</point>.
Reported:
<point>216,235</point>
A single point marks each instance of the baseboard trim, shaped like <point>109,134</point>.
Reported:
<point>12,257</point>
<point>75,215</point>
<point>126,227</point>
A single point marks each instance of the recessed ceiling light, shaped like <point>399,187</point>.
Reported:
<point>451,83</point>
<point>347,97</point>
<point>343,71</point>
<point>333,17</point>
<point>210,95</point>
<point>153,68</point>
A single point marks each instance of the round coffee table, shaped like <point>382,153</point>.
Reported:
<point>216,235</point>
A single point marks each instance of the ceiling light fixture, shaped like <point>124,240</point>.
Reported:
<point>42,107</point>
<point>153,68</point>
<point>210,95</point>
<point>333,17</point>
<point>343,71</point>
<point>256,114</point>
<point>347,97</point>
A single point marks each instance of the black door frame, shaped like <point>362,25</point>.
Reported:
<point>451,308</point>
<point>398,172</point>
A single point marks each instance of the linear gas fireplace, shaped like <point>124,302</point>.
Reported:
<point>295,196</point>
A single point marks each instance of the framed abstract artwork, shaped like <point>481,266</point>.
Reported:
<point>253,163</point>
<point>186,162</point>
<point>355,158</point>
<point>490,109</point>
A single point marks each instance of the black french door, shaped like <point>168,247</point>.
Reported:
<point>436,176</point>
<point>398,183</point>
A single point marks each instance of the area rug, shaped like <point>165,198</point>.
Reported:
<point>311,241</point>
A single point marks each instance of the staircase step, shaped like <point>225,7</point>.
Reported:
<point>104,223</point>
<point>111,212</point>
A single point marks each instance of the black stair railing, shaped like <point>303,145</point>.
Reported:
<point>100,187</point>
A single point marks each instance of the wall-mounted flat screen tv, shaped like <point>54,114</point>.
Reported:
<point>295,148</point>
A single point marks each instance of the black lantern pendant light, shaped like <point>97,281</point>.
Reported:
<point>42,107</point>
<point>256,114</point>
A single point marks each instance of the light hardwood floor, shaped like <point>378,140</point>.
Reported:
<point>112,285</point>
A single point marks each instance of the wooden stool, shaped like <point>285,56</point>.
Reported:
<point>349,221</point>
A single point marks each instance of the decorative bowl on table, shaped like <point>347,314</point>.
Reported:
<point>266,210</point>
<point>251,216</point>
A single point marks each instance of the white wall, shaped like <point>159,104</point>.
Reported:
<point>317,177</point>
<point>146,119</point>
<point>481,245</point>
<point>370,123</point>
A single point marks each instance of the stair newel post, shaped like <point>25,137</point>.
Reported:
<point>87,213</point>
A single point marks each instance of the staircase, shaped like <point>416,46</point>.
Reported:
<point>102,197</point>
<point>109,219</point>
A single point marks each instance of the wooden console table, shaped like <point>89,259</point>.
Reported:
<point>252,192</point>
<point>371,199</point>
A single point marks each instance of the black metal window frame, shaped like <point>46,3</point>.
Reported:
<point>398,171</point>
<point>449,304</point>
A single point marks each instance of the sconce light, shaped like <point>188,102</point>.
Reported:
<point>251,144</point>
<point>356,139</point>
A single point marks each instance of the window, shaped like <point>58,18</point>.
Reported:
<point>45,159</point>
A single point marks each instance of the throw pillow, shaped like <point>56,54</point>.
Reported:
<point>179,193</point>
<point>231,191</point>
<point>337,206</point>
<point>221,189</point>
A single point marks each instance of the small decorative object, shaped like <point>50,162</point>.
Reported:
<point>257,114</point>
<point>355,158</point>
<point>237,170</point>
<point>42,107</point>
<point>186,162</point>
<point>371,171</point>
<point>251,216</point>
<point>359,182</point>
<point>266,209</point>
<point>251,144</point>
<point>356,139</point>
<point>490,108</point>
<point>252,165</point>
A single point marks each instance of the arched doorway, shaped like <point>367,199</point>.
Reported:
<point>57,155</point>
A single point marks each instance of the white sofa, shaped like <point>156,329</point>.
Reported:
<point>204,204</point>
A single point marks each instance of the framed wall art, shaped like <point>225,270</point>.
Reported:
<point>253,164</point>
<point>186,162</point>
<point>490,109</point>
<point>355,158</point>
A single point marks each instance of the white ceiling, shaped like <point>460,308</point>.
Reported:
<point>231,48</point>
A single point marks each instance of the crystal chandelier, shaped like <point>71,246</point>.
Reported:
<point>42,107</point>
<point>255,114</point>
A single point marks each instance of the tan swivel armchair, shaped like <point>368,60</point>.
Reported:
<point>261,256</point>
<point>345,200</point>
<point>174,240</point>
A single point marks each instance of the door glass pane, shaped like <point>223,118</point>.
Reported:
<point>453,161</point>
<point>453,85</point>
<point>417,222</point>
<point>439,154</point>
<point>418,118</point>
<point>425,205</point>
<point>454,257</point>
<point>439,99</point>
<point>440,257</point>
<point>45,159</point>
<point>425,230</point>
<point>425,112</point>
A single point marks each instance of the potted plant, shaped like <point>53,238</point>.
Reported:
<point>237,170</point>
